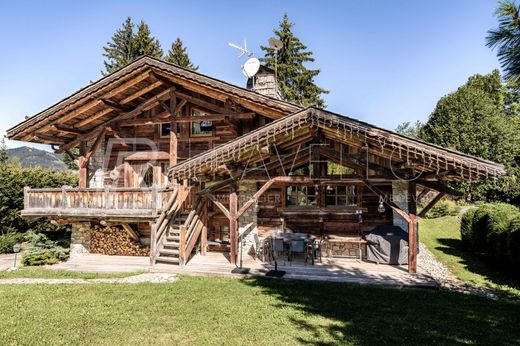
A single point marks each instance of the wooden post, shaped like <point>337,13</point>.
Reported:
<point>204,234</point>
<point>182,245</point>
<point>412,227</point>
<point>63,198</point>
<point>173,129</point>
<point>412,244</point>
<point>83,166</point>
<point>154,198</point>
<point>233,223</point>
<point>153,240</point>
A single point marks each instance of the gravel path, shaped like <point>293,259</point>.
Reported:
<point>447,281</point>
<point>155,278</point>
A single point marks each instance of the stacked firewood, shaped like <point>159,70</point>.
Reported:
<point>114,240</point>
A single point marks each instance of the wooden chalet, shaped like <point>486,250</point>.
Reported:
<point>183,162</point>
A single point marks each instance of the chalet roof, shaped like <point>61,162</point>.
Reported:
<point>146,79</point>
<point>302,125</point>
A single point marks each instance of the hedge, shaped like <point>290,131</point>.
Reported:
<point>493,230</point>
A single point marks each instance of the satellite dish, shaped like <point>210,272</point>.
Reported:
<point>275,43</point>
<point>251,67</point>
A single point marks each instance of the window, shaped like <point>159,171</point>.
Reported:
<point>202,128</point>
<point>341,195</point>
<point>301,196</point>
<point>165,130</point>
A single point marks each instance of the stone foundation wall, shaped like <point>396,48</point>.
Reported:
<point>80,238</point>
<point>400,197</point>
<point>245,192</point>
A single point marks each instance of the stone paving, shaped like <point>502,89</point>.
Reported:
<point>155,278</point>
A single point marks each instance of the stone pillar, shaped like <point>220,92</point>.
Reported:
<point>245,192</point>
<point>400,198</point>
<point>80,238</point>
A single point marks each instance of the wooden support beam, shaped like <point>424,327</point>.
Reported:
<point>173,129</point>
<point>255,197</point>
<point>412,244</point>
<point>52,139</point>
<point>131,232</point>
<point>68,129</point>
<point>116,106</point>
<point>233,224</point>
<point>83,168</point>
<point>221,206</point>
<point>432,203</point>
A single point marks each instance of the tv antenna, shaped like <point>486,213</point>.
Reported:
<point>243,51</point>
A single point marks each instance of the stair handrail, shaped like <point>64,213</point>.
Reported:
<point>191,230</point>
<point>168,214</point>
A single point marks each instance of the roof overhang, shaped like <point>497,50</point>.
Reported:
<point>302,124</point>
<point>145,80</point>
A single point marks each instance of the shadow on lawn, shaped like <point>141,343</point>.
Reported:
<point>369,315</point>
<point>478,265</point>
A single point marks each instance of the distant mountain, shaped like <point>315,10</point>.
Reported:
<point>32,157</point>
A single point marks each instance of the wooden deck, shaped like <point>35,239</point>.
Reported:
<point>91,203</point>
<point>217,264</point>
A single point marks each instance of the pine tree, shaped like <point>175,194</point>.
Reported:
<point>120,51</point>
<point>126,46</point>
<point>296,81</point>
<point>145,43</point>
<point>179,56</point>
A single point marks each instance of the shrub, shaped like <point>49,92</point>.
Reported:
<point>444,207</point>
<point>8,240</point>
<point>466,223</point>
<point>43,251</point>
<point>513,242</point>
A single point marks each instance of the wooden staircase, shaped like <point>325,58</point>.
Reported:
<point>178,229</point>
<point>169,248</point>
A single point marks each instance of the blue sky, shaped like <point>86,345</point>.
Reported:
<point>384,62</point>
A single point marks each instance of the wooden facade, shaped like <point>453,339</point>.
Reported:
<point>183,159</point>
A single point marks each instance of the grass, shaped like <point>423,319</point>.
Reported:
<point>442,237</point>
<point>205,310</point>
<point>43,273</point>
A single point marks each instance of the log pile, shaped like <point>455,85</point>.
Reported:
<point>114,240</point>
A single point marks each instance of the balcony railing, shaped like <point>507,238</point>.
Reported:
<point>66,201</point>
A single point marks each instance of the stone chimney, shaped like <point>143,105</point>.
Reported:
<point>264,82</point>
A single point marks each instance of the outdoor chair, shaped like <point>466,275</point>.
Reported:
<point>298,248</point>
<point>279,248</point>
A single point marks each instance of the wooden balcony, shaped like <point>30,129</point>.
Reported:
<point>118,204</point>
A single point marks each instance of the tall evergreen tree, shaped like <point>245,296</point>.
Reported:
<point>120,51</point>
<point>178,55</point>
<point>126,46</point>
<point>507,38</point>
<point>145,43</point>
<point>295,80</point>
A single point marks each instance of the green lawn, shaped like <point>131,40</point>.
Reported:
<point>42,273</point>
<point>203,310</point>
<point>442,237</point>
